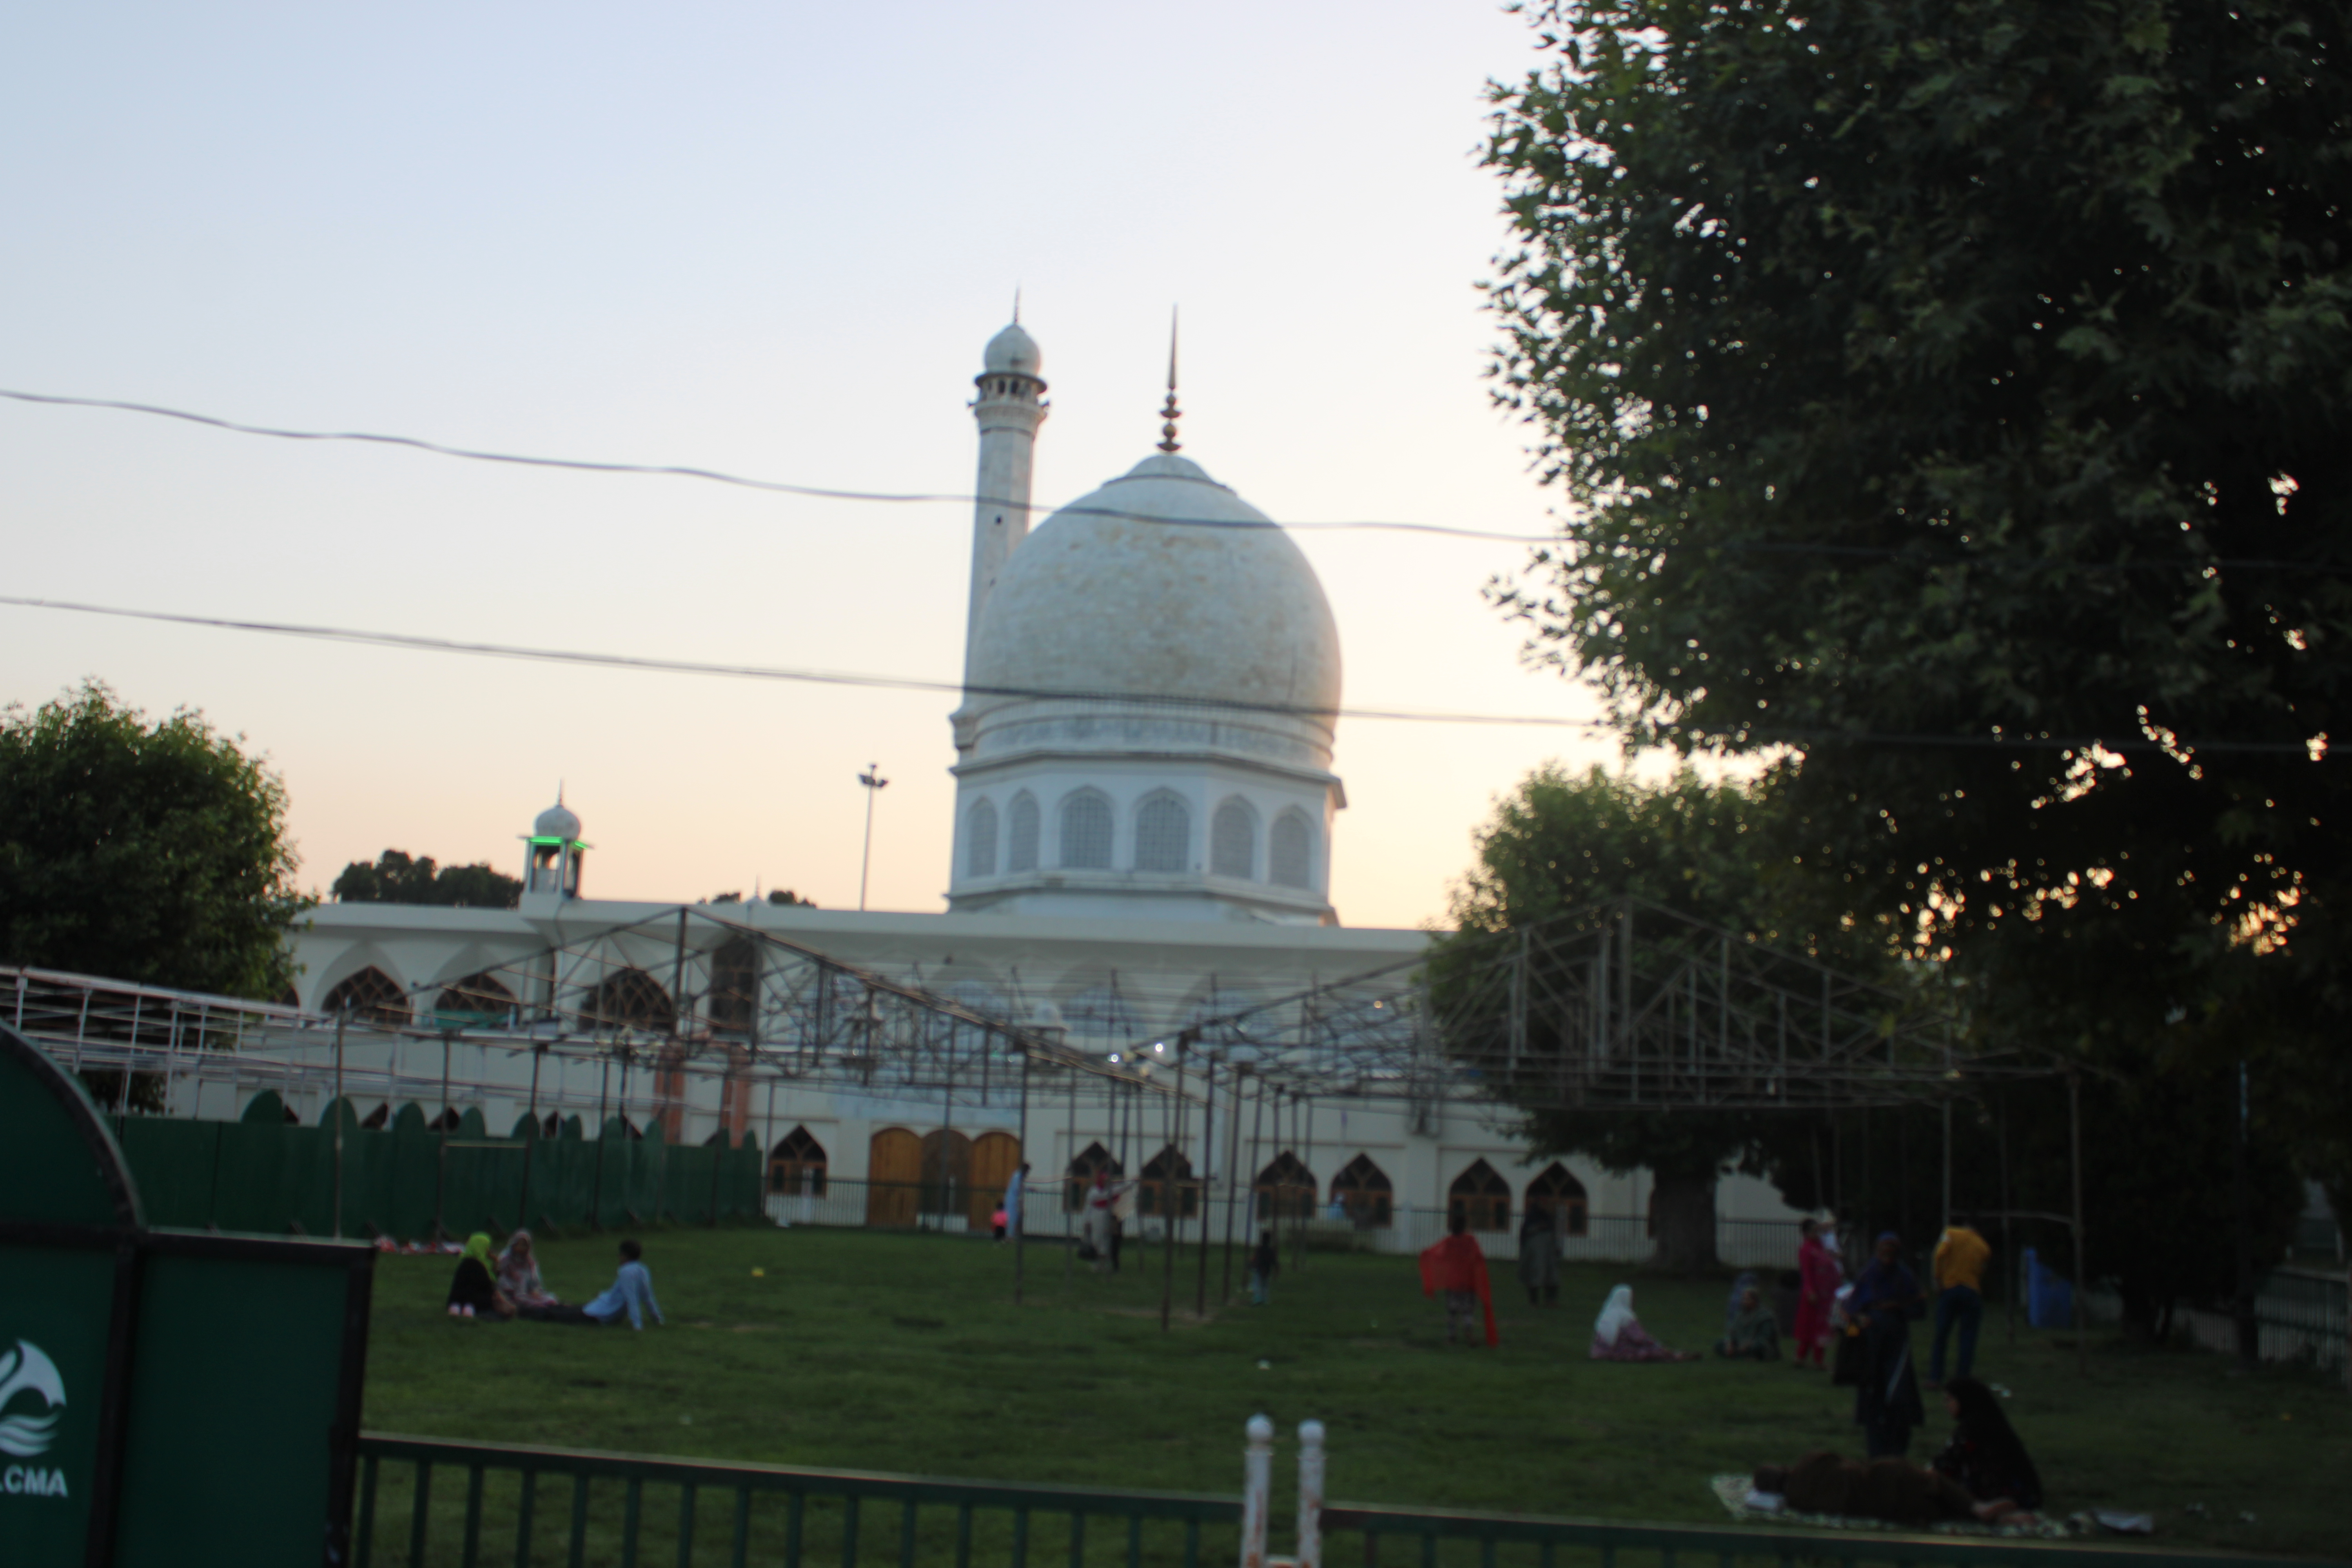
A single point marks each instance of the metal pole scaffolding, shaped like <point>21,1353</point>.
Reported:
<point>1232,1184</point>
<point>441,1165</point>
<point>1208,1167</point>
<point>1069,1175</point>
<point>1020,1216</point>
<point>339,1018</point>
<point>531,1142</point>
<point>1172,1193</point>
<point>1257,1168</point>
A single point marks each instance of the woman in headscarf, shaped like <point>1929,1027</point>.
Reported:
<point>1539,1254</point>
<point>1817,1279</point>
<point>1754,1333</point>
<point>1618,1334</point>
<point>519,1279</point>
<point>1885,1300</point>
<point>474,1292</point>
<point>1985,1455</point>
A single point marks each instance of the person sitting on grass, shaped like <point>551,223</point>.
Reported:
<point>1618,1334</point>
<point>1755,1333</point>
<point>632,1293</point>
<point>1984,1455</point>
<point>474,1293</point>
<point>1895,1491</point>
<point>519,1277</point>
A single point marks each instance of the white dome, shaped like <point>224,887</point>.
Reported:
<point>1013,350</point>
<point>557,821</point>
<point>1162,584</point>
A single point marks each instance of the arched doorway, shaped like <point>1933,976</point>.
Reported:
<point>947,1172</point>
<point>1556,1189</point>
<point>1481,1198</point>
<point>894,1174</point>
<point>995,1157</point>
<point>1363,1193</point>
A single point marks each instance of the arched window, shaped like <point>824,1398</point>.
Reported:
<point>979,839</point>
<point>629,999</point>
<point>1164,835</point>
<point>478,998</point>
<point>1232,841</point>
<point>1362,1191</point>
<point>1481,1197</point>
<point>1284,1189</point>
<point>1093,1158</point>
<point>796,1165</point>
<point>1290,852</point>
<point>1558,1189</point>
<point>1021,853</point>
<point>1166,1169</point>
<point>1085,831</point>
<point>372,996</point>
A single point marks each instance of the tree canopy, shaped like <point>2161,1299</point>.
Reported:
<point>397,878</point>
<point>1563,843</point>
<point>148,852</point>
<point>1950,401</point>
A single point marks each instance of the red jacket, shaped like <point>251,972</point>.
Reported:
<point>1459,1263</point>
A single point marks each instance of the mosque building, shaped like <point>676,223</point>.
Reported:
<point>1146,817</point>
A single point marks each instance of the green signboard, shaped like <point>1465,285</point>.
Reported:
<point>165,1396</point>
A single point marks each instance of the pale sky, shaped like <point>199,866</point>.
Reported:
<point>770,239</point>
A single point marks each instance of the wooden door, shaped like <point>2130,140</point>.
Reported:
<point>995,1157</point>
<point>947,1171</point>
<point>894,1172</point>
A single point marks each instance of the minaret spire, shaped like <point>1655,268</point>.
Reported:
<point>1010,407</point>
<point>1168,412</point>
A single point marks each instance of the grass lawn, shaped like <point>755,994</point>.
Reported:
<point>874,1350</point>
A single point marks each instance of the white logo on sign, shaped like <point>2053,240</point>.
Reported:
<point>26,1370</point>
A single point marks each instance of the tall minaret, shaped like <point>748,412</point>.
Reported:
<point>1010,407</point>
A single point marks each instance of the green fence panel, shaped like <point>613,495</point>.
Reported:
<point>415,1178</point>
<point>249,1194</point>
<point>173,1163</point>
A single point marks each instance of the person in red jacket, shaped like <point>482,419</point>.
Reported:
<point>1457,1266</point>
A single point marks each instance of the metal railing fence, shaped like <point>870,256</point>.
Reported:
<point>581,1508</point>
<point>588,1510</point>
<point>2299,1316</point>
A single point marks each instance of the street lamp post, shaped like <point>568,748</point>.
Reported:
<point>874,784</point>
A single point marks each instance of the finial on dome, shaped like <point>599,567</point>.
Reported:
<point>1168,412</point>
<point>1016,304</point>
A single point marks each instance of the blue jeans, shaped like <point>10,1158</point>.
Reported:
<point>1956,1304</point>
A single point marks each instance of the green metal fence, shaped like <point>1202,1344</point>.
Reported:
<point>264,1176</point>
<point>426,1502</point>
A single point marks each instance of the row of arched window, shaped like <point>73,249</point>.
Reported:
<point>1083,837</point>
<point>623,999</point>
<point>944,1169</point>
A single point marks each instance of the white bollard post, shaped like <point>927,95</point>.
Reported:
<point>1310,1494</point>
<point>1257,1481</point>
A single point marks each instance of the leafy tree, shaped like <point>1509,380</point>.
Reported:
<point>397,878</point>
<point>1951,401</point>
<point>786,896</point>
<point>1562,845</point>
<point>148,852</point>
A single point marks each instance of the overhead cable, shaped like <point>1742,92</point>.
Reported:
<point>1998,740</point>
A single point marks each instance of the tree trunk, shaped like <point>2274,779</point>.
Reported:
<point>1683,1207</point>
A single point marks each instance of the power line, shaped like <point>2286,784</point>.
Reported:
<point>719,477</point>
<point>1999,741</point>
<point>1911,552</point>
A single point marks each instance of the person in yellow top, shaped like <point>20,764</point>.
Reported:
<point>1959,1266</point>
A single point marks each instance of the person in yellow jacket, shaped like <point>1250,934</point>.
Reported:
<point>1959,1266</point>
